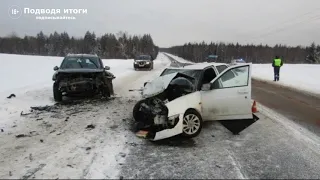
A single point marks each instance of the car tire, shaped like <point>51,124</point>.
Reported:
<point>135,113</point>
<point>57,95</point>
<point>195,126</point>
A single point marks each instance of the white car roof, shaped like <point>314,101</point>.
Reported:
<point>198,66</point>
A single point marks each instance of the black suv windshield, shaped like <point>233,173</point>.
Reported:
<point>190,72</point>
<point>143,57</point>
<point>80,62</point>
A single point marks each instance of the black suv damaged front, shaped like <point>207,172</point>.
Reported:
<point>82,74</point>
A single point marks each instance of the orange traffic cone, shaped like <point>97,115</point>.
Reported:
<point>254,107</point>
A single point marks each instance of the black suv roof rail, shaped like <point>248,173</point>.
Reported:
<point>71,54</point>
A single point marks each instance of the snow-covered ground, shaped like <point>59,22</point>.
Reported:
<point>304,77</point>
<point>57,143</point>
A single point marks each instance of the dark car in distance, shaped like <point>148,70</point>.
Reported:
<point>143,62</point>
<point>82,74</point>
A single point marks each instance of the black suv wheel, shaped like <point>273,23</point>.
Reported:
<point>57,95</point>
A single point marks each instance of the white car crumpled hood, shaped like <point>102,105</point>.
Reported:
<point>158,85</point>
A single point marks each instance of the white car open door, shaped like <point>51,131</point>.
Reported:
<point>228,96</point>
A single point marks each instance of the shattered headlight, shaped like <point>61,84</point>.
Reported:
<point>173,120</point>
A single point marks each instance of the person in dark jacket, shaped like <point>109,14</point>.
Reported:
<point>276,64</point>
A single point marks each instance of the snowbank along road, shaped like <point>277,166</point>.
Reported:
<point>92,138</point>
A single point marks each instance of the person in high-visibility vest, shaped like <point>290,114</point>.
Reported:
<point>277,63</point>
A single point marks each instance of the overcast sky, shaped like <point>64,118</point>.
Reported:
<point>175,22</point>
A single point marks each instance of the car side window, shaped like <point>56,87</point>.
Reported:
<point>229,79</point>
<point>227,76</point>
<point>221,68</point>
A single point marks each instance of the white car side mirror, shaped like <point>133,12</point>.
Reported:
<point>206,87</point>
<point>107,68</point>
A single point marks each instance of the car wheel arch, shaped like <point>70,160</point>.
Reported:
<point>192,110</point>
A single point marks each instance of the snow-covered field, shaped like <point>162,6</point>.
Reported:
<point>304,77</point>
<point>20,73</point>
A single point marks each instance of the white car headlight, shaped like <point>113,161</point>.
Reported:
<point>136,62</point>
<point>147,62</point>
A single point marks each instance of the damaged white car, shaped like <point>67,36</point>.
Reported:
<point>180,100</point>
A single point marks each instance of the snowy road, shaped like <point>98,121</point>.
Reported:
<point>58,143</point>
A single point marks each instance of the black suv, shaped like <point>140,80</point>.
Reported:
<point>82,74</point>
<point>143,62</point>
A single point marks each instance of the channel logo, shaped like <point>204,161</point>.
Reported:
<point>14,12</point>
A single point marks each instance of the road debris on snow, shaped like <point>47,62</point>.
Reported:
<point>122,154</point>
<point>11,96</point>
<point>33,171</point>
<point>30,157</point>
<point>52,131</point>
<point>24,114</point>
<point>43,108</point>
<point>90,127</point>
<point>114,127</point>
<point>135,90</point>
<point>22,135</point>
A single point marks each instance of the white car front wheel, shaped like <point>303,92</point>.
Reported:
<point>192,124</point>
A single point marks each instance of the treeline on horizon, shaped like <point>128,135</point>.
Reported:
<point>109,46</point>
<point>198,52</point>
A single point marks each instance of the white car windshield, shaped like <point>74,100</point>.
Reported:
<point>195,73</point>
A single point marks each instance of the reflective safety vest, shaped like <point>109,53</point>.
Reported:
<point>277,62</point>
